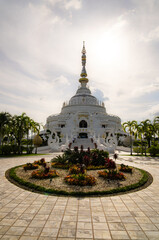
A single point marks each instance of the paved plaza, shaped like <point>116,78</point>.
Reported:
<point>26,215</point>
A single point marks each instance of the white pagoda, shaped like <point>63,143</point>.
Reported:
<point>83,121</point>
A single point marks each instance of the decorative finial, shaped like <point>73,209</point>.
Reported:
<point>84,50</point>
<point>83,80</point>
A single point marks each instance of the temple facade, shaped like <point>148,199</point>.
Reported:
<point>83,121</point>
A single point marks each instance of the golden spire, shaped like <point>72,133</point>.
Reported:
<point>83,78</point>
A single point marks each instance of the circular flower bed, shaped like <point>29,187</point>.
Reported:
<point>112,175</point>
<point>80,179</point>
<point>73,179</point>
<point>42,174</point>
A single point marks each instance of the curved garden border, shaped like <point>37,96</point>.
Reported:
<point>144,182</point>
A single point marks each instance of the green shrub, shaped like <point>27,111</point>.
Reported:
<point>154,150</point>
<point>7,149</point>
<point>137,149</point>
<point>98,157</point>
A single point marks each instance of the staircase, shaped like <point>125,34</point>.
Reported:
<point>86,142</point>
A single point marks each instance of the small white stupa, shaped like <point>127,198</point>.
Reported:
<point>83,121</point>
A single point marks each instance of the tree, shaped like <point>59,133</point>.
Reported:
<point>130,127</point>
<point>156,126</point>
<point>5,119</point>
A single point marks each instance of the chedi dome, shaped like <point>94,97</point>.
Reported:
<point>83,121</point>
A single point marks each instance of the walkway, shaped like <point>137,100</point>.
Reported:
<point>29,216</point>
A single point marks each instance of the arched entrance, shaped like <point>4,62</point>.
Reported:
<point>82,124</point>
<point>83,135</point>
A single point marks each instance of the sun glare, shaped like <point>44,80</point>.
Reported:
<point>110,46</point>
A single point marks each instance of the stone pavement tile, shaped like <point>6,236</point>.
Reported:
<point>70,225</point>
<point>103,226</point>
<point>34,232</point>
<point>4,229</point>
<point>2,215</point>
<point>137,235</point>
<point>28,238</point>
<point>119,235</point>
<point>101,214</point>
<point>124,214</point>
<point>84,225</point>
<point>113,219</point>
<point>72,212</point>
<point>123,208</point>
<point>49,232</point>
<point>101,234</point>
<point>21,222</point>
<point>152,235</point>
<point>132,226</point>
<point>53,217</point>
<point>67,233</point>
<point>13,215</point>
<point>69,218</point>
<point>6,209</point>
<point>68,239</point>
<point>148,226</point>
<point>7,221</point>
<point>41,217</point>
<point>97,209</point>
<point>142,219</point>
<point>53,224</point>
<point>116,226</point>
<point>8,237</point>
<point>83,218</point>
<point>157,225</point>
<point>154,219</point>
<point>37,223</point>
<point>26,216</point>
<point>111,214</point>
<point>138,214</point>
<point>83,233</point>
<point>151,214</point>
<point>98,219</point>
<point>110,209</point>
<point>16,231</point>
<point>47,238</point>
<point>31,211</point>
<point>128,220</point>
<point>83,212</point>
<point>18,210</point>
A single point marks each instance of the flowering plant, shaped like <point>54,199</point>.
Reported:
<point>30,166</point>
<point>74,170</point>
<point>109,163</point>
<point>125,168</point>
<point>40,162</point>
<point>41,174</point>
<point>111,174</point>
<point>80,179</point>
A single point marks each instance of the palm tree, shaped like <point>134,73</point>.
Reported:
<point>140,132</point>
<point>130,127</point>
<point>19,129</point>
<point>156,126</point>
<point>5,118</point>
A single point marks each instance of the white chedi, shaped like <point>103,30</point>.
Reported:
<point>83,121</point>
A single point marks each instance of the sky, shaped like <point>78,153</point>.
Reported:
<point>40,55</point>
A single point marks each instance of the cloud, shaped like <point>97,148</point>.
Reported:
<point>99,95</point>
<point>76,4</point>
<point>61,80</point>
<point>40,54</point>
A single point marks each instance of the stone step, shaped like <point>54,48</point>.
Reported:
<point>85,142</point>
